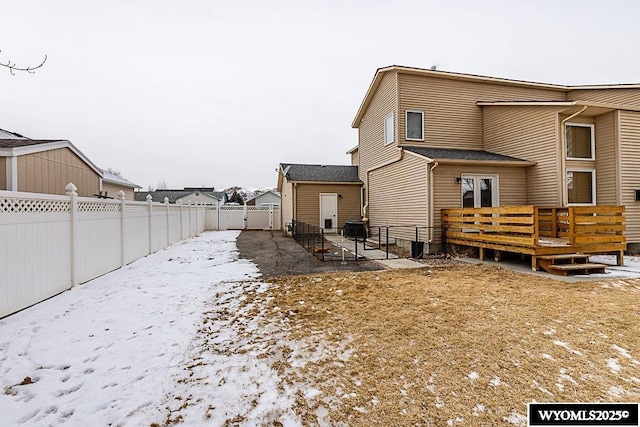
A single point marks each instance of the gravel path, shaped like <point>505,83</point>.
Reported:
<point>278,255</point>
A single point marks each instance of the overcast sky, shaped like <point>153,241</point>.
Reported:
<point>217,93</point>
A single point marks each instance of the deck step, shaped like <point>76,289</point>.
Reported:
<point>587,266</point>
<point>565,264</point>
<point>564,256</point>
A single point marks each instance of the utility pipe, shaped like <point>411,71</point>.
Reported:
<point>563,160</point>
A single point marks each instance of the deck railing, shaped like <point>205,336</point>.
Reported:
<point>512,225</point>
<point>523,225</point>
<point>582,224</point>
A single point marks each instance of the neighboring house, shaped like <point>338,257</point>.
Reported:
<point>202,195</point>
<point>111,184</point>
<point>320,195</point>
<point>437,140</point>
<point>47,166</point>
<point>268,198</point>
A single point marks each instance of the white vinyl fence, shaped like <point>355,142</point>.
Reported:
<point>50,243</point>
<point>229,217</point>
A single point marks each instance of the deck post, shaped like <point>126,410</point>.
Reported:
<point>572,226</point>
<point>534,263</point>
<point>481,253</point>
<point>554,222</point>
<point>620,258</point>
<point>536,225</point>
<point>497,255</point>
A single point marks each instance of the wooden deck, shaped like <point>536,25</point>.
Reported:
<point>537,231</point>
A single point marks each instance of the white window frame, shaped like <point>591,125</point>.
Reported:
<point>392,134</point>
<point>593,144</point>
<point>594,197</point>
<point>406,128</point>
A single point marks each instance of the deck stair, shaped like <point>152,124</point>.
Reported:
<point>566,264</point>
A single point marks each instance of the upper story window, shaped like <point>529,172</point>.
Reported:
<point>388,129</point>
<point>580,141</point>
<point>415,125</point>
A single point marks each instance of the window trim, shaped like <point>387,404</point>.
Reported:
<point>594,197</point>
<point>393,133</point>
<point>406,128</point>
<point>593,145</point>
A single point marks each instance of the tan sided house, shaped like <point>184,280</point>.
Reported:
<point>324,196</point>
<point>439,140</point>
<point>47,166</point>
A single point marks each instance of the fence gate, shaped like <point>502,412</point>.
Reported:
<point>249,217</point>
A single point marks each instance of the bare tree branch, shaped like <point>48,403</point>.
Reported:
<point>13,67</point>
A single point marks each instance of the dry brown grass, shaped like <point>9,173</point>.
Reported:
<point>468,343</point>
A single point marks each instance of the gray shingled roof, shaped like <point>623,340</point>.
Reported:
<point>454,154</point>
<point>17,142</point>
<point>320,173</point>
<point>5,134</point>
<point>173,195</point>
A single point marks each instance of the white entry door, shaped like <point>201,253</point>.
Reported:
<point>329,212</point>
<point>480,191</point>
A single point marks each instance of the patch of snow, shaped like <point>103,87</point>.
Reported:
<point>495,381</point>
<point>312,393</point>
<point>359,409</point>
<point>516,419</point>
<point>567,347</point>
<point>616,391</point>
<point>477,409</point>
<point>612,363</point>
<point>547,356</point>
<point>622,351</point>
<point>473,376</point>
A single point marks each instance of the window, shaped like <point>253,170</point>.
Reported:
<point>388,129</point>
<point>581,187</point>
<point>580,141</point>
<point>415,125</point>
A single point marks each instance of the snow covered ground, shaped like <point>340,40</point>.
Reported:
<point>166,338</point>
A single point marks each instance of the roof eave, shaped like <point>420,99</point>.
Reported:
<point>326,182</point>
<point>506,163</point>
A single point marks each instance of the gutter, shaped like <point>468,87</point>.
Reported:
<point>431,217</point>
<point>366,179</point>
<point>563,149</point>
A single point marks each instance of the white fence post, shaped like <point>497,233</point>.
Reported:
<point>123,222</point>
<point>190,228</point>
<point>150,202</point>
<point>246,217</point>
<point>270,217</point>
<point>70,190</point>
<point>197,208</point>
<point>166,205</point>
<point>179,203</point>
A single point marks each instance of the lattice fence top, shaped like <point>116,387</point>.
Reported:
<point>98,207</point>
<point>15,205</point>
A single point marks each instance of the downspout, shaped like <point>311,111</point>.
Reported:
<point>431,216</point>
<point>563,160</point>
<point>366,179</point>
<point>295,200</point>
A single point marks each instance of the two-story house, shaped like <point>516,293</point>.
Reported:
<point>436,140</point>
